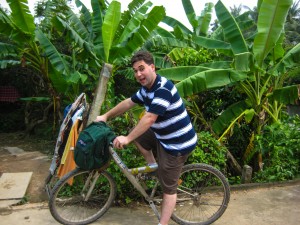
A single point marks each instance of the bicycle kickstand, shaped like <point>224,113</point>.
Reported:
<point>152,205</point>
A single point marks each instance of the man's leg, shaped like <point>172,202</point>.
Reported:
<point>168,205</point>
<point>169,170</point>
<point>145,143</point>
<point>148,155</point>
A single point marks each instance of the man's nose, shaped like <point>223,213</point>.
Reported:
<point>138,73</point>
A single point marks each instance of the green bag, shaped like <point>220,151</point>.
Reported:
<point>92,147</point>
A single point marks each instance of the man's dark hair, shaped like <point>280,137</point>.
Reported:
<point>142,55</point>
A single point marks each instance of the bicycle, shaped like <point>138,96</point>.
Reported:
<point>82,197</point>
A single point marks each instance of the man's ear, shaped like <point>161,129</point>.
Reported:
<point>153,67</point>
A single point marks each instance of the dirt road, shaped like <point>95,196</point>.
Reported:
<point>263,206</point>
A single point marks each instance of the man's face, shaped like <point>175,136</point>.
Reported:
<point>144,73</point>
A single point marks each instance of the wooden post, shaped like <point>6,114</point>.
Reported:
<point>100,92</point>
<point>246,174</point>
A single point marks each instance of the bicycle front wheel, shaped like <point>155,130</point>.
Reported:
<point>202,195</point>
<point>82,197</point>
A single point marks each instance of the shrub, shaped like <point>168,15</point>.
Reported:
<point>209,151</point>
<point>279,144</point>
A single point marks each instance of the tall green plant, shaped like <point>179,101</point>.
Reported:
<point>257,69</point>
<point>279,145</point>
<point>107,37</point>
<point>21,47</point>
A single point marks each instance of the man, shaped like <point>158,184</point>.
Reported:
<point>165,127</point>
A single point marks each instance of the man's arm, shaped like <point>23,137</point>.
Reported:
<point>119,109</point>
<point>143,125</point>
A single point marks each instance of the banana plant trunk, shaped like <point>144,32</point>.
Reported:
<point>100,92</point>
<point>261,123</point>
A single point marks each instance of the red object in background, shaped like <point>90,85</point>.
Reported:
<point>9,94</point>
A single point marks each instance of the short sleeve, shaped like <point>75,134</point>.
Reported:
<point>137,98</point>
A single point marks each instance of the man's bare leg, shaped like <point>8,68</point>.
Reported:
<point>168,205</point>
<point>148,155</point>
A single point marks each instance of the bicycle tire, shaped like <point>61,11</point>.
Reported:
<point>203,195</point>
<point>50,182</point>
<point>67,204</point>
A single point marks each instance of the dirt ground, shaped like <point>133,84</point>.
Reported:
<point>36,158</point>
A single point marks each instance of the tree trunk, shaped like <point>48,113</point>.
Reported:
<point>100,92</point>
<point>234,163</point>
<point>31,123</point>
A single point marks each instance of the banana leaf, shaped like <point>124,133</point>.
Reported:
<point>56,59</point>
<point>159,31</point>
<point>217,65</point>
<point>110,24</point>
<point>8,49</point>
<point>175,23</point>
<point>86,15</point>
<point>230,114</point>
<point>291,59</point>
<point>204,20</point>
<point>97,22</point>
<point>208,80</point>
<point>141,34</point>
<point>286,95</point>
<point>190,12</point>
<point>231,29</point>
<point>133,23</point>
<point>181,72</point>
<point>210,43</point>
<point>243,61</point>
<point>270,24</point>
<point>35,99</point>
<point>159,41</point>
<point>21,15</point>
<point>6,63</point>
<point>6,25</point>
<point>76,34</point>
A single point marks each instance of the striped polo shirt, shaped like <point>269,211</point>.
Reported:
<point>173,127</point>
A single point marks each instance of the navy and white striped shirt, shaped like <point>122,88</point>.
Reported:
<point>173,127</point>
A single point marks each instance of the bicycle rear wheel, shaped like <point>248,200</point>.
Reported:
<point>81,197</point>
<point>202,195</point>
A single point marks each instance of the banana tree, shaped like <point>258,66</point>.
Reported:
<point>21,47</point>
<point>264,62</point>
<point>107,36</point>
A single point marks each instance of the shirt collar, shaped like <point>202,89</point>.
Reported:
<point>156,84</point>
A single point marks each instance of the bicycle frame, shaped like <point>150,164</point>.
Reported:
<point>134,181</point>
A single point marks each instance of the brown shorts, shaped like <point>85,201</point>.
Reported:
<point>169,166</point>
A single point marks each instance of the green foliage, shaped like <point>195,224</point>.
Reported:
<point>279,143</point>
<point>132,158</point>
<point>190,57</point>
<point>209,151</point>
<point>24,200</point>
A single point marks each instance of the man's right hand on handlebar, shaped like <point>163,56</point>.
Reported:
<point>101,118</point>
<point>120,142</point>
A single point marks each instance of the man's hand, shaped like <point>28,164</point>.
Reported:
<point>120,142</point>
<point>101,118</point>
